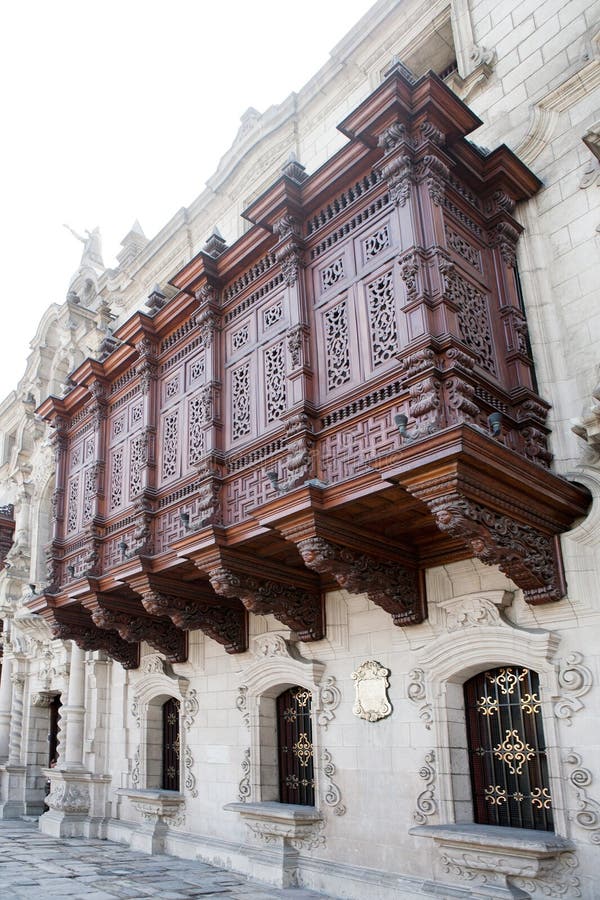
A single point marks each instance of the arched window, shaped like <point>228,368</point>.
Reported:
<point>170,745</point>
<point>295,747</point>
<point>507,749</point>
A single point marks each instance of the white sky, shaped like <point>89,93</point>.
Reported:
<point>114,111</point>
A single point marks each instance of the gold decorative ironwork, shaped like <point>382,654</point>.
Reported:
<point>172,719</point>
<point>514,752</point>
<point>495,794</point>
<point>518,796</point>
<point>507,679</point>
<point>290,714</point>
<point>541,798</point>
<point>171,772</point>
<point>487,706</point>
<point>303,749</point>
<point>177,746</point>
<point>530,704</point>
<point>302,697</point>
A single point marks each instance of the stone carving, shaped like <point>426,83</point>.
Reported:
<point>241,703</point>
<point>371,684</point>
<point>426,802</point>
<point>272,832</point>
<point>299,610</point>
<point>555,880</point>
<point>244,790</point>
<point>576,680</point>
<point>330,698</point>
<point>135,771</point>
<point>333,795</point>
<point>189,708</point>
<point>153,812</point>
<point>68,798</point>
<point>135,710</point>
<point>520,551</point>
<point>391,586</point>
<point>270,645</point>
<point>42,699</point>
<point>471,613</point>
<point>190,778</point>
<point>153,665</point>
<point>588,809</point>
<point>417,693</point>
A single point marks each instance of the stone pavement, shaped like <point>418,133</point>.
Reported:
<point>34,866</point>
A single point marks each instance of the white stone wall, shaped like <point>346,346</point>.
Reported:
<point>531,71</point>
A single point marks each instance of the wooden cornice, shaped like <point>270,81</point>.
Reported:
<point>73,622</point>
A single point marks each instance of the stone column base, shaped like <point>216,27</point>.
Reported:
<point>69,801</point>
<point>12,791</point>
<point>283,830</point>
<point>159,809</point>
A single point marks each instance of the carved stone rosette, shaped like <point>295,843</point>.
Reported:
<point>393,587</point>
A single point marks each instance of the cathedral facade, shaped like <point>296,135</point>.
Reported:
<point>300,563</point>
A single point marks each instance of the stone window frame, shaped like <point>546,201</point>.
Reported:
<point>447,664</point>
<point>149,696</point>
<point>264,680</point>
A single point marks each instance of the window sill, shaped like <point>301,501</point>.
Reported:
<point>286,822</point>
<point>493,854</point>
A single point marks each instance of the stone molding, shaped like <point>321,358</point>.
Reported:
<point>159,811</point>
<point>546,112</point>
<point>575,679</point>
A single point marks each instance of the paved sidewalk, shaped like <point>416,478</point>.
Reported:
<point>34,866</point>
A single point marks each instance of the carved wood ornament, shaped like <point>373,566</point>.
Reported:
<point>341,398</point>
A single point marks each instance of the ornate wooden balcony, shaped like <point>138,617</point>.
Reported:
<point>343,397</point>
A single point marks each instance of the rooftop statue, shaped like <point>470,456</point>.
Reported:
<point>92,247</point>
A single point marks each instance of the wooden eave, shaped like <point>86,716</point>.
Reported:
<point>490,468</point>
<point>337,173</point>
<point>134,328</point>
<point>396,98</point>
<point>283,195</point>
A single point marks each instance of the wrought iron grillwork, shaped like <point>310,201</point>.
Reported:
<point>507,749</point>
<point>295,746</point>
<point>171,745</point>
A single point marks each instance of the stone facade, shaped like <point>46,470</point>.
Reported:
<point>393,812</point>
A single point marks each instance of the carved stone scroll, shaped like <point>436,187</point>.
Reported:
<point>575,679</point>
<point>298,609</point>
<point>588,809</point>
<point>225,624</point>
<point>392,586</point>
<point>426,802</point>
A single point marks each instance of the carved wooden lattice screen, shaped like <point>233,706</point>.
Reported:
<point>171,746</point>
<point>507,750</point>
<point>296,763</point>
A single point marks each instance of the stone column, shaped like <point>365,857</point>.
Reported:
<point>5,707</point>
<point>74,714</point>
<point>12,773</point>
<point>16,719</point>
